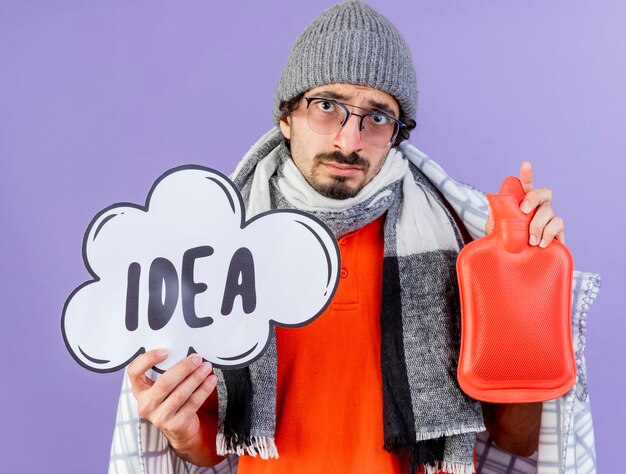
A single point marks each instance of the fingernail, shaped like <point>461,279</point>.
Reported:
<point>161,352</point>
<point>543,243</point>
<point>196,359</point>
<point>212,379</point>
<point>206,367</point>
<point>526,206</point>
<point>533,239</point>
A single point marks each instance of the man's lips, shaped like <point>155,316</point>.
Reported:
<point>341,170</point>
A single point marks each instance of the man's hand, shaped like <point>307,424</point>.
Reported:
<point>174,403</point>
<point>544,226</point>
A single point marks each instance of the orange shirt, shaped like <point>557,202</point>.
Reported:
<point>329,388</point>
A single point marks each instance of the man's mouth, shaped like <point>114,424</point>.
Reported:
<point>339,169</point>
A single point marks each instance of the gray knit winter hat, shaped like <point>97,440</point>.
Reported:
<point>350,43</point>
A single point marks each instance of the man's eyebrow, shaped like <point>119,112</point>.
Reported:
<point>331,95</point>
<point>382,106</point>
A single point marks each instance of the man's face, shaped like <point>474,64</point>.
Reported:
<point>338,165</point>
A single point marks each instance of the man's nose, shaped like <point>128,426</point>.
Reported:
<point>348,138</point>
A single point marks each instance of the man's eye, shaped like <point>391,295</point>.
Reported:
<point>325,106</point>
<point>379,119</point>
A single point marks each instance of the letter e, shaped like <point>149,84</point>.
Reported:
<point>190,288</point>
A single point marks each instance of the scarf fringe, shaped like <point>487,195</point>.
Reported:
<point>262,446</point>
<point>449,432</point>
<point>448,468</point>
<point>453,468</point>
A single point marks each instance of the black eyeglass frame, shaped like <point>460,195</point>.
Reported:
<point>344,106</point>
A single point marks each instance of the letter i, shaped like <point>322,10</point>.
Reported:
<point>132,296</point>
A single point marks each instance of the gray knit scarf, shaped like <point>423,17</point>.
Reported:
<point>425,414</point>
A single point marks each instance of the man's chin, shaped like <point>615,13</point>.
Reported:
<point>338,188</point>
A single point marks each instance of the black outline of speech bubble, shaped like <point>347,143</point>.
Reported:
<point>225,183</point>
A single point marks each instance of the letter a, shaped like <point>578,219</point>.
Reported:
<point>240,281</point>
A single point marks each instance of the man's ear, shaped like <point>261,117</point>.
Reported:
<point>285,127</point>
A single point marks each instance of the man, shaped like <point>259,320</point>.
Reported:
<point>370,385</point>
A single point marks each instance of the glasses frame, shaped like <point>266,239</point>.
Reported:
<point>399,124</point>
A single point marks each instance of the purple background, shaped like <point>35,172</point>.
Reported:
<point>97,99</point>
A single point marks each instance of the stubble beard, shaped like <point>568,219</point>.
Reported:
<point>338,187</point>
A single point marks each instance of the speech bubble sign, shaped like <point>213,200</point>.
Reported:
<point>187,272</point>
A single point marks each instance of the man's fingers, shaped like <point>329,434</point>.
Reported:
<point>174,376</point>
<point>200,395</point>
<point>560,236</point>
<point>537,225</point>
<point>526,176</point>
<point>554,229</point>
<point>181,395</point>
<point>138,368</point>
<point>536,197</point>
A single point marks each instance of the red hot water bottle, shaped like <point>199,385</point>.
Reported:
<point>516,343</point>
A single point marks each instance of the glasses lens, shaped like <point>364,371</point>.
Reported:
<point>325,116</point>
<point>378,130</point>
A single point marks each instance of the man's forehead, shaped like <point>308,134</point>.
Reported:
<point>359,93</point>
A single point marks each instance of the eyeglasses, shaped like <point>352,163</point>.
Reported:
<point>328,116</point>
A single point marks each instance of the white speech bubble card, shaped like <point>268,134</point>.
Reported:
<point>187,272</point>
